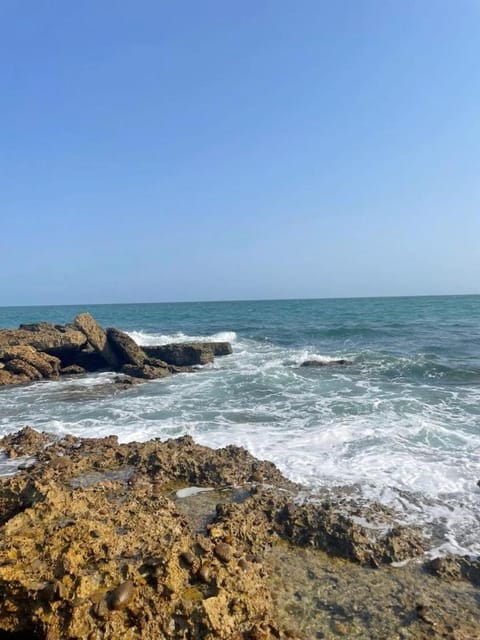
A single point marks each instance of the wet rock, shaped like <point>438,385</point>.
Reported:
<point>73,370</point>
<point>97,338</point>
<point>125,347</point>
<point>324,363</point>
<point>146,371</point>
<point>188,354</point>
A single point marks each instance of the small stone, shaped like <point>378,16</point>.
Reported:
<point>188,557</point>
<point>204,573</point>
<point>223,551</point>
<point>121,596</point>
<point>243,564</point>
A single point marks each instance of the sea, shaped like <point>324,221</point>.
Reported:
<point>400,423</point>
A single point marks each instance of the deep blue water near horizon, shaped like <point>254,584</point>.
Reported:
<point>401,423</point>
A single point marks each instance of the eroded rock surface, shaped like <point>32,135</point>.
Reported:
<point>96,543</point>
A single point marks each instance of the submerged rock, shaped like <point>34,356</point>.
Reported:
<point>324,363</point>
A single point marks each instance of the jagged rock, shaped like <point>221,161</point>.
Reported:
<point>46,365</point>
<point>324,363</point>
<point>188,354</point>
<point>43,336</point>
<point>145,371</point>
<point>455,568</point>
<point>22,368</point>
<point>97,338</point>
<point>125,347</point>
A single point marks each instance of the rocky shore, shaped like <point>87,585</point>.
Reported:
<point>101,540</point>
<point>44,351</point>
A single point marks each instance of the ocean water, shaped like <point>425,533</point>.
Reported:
<point>400,424</point>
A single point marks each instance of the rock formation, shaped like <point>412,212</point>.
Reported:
<point>95,544</point>
<point>44,351</point>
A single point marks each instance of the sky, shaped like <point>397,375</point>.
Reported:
<point>156,150</point>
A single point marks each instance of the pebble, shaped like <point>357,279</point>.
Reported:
<point>122,595</point>
<point>204,573</point>
<point>223,551</point>
<point>188,557</point>
<point>243,564</point>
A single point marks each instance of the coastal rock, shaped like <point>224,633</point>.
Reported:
<point>125,347</point>
<point>146,371</point>
<point>72,370</point>
<point>43,336</point>
<point>188,354</point>
<point>43,364</point>
<point>93,544</point>
<point>324,363</point>
<point>97,338</point>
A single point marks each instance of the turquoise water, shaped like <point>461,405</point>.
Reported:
<point>401,423</point>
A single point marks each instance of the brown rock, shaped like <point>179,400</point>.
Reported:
<point>223,551</point>
<point>125,347</point>
<point>23,368</point>
<point>121,596</point>
<point>146,371</point>
<point>53,339</point>
<point>46,365</point>
<point>73,370</point>
<point>97,338</point>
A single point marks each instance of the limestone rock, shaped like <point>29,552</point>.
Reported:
<point>43,336</point>
<point>125,347</point>
<point>46,365</point>
<point>97,338</point>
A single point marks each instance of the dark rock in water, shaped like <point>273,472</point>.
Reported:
<point>146,371</point>
<point>43,336</point>
<point>188,353</point>
<point>125,347</point>
<point>97,337</point>
<point>324,363</point>
<point>73,370</point>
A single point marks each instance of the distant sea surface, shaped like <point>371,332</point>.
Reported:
<point>400,424</point>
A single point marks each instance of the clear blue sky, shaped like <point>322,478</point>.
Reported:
<point>158,150</point>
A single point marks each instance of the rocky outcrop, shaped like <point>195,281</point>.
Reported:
<point>42,351</point>
<point>127,350</point>
<point>188,353</point>
<point>22,363</point>
<point>43,336</point>
<point>97,338</point>
<point>97,543</point>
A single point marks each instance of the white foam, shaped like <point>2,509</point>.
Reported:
<point>151,339</point>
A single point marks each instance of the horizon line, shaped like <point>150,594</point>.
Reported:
<point>226,300</point>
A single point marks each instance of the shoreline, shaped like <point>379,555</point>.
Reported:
<point>95,542</point>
